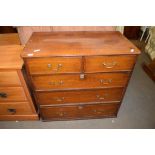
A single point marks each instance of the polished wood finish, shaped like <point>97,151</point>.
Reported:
<point>15,108</point>
<point>54,65</point>
<point>18,117</point>
<point>27,92</point>
<point>73,81</point>
<point>9,39</point>
<point>15,99</point>
<point>109,63</point>
<point>25,32</point>
<point>9,78</point>
<point>78,44</point>
<point>10,57</point>
<point>79,112</point>
<point>79,96</point>
<point>91,80</point>
<point>12,94</point>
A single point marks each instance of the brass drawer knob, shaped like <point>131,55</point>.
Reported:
<point>56,69</point>
<point>80,107</point>
<point>59,66</point>
<point>3,95</point>
<point>98,112</point>
<point>107,81</point>
<point>49,65</point>
<point>109,65</point>
<point>12,111</point>
<point>60,99</point>
<point>62,114</point>
<point>99,97</point>
<point>94,110</point>
<point>56,83</point>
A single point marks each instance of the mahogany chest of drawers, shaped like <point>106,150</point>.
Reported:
<point>15,99</point>
<point>79,75</point>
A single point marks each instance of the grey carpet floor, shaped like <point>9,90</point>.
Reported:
<point>137,110</point>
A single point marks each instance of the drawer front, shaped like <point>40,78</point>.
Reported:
<point>79,112</point>
<point>82,96</point>
<point>15,108</point>
<point>9,78</point>
<point>109,63</point>
<point>12,94</point>
<point>54,65</point>
<point>102,80</point>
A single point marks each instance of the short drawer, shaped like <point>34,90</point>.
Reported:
<point>79,112</point>
<point>54,65</point>
<point>109,63</point>
<point>80,96</point>
<point>15,108</point>
<point>9,78</point>
<point>77,81</point>
<point>12,94</point>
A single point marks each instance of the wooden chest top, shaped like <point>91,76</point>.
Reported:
<point>45,44</point>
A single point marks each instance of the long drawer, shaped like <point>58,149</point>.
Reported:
<point>15,108</point>
<point>109,63</point>
<point>54,65</point>
<point>79,112</point>
<point>9,78</point>
<point>12,94</point>
<point>80,96</point>
<point>77,81</point>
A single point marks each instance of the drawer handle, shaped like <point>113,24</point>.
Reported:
<point>60,99</point>
<point>57,68</point>
<point>80,107</point>
<point>108,81</point>
<point>12,111</point>
<point>49,65</point>
<point>62,114</point>
<point>109,65</point>
<point>3,95</point>
<point>56,83</point>
<point>99,97</point>
<point>98,112</point>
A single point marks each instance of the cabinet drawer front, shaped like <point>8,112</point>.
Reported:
<point>109,63</point>
<point>79,112</point>
<point>102,80</point>
<point>54,65</point>
<point>82,96</point>
<point>15,108</point>
<point>9,78</point>
<point>12,94</point>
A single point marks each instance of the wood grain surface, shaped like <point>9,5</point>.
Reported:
<point>12,94</point>
<point>79,96</point>
<point>73,81</point>
<point>9,78</point>
<point>10,57</point>
<point>78,44</point>
<point>25,32</point>
<point>79,112</point>
<point>9,39</point>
